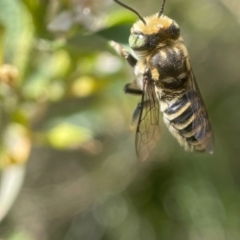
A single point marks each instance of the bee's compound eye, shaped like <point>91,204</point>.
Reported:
<point>174,30</point>
<point>137,40</point>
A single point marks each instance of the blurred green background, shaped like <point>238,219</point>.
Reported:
<point>64,110</point>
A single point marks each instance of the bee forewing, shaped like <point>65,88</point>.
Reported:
<point>148,131</point>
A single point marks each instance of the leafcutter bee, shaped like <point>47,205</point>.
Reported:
<point>165,81</point>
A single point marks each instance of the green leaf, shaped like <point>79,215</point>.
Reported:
<point>117,33</point>
<point>67,135</point>
<point>88,43</point>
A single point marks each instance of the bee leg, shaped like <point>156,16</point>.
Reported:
<point>130,89</point>
<point>130,59</point>
<point>136,113</point>
<point>121,51</point>
<point>138,109</point>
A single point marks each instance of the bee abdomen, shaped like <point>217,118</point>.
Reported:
<point>185,119</point>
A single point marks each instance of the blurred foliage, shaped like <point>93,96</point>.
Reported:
<point>62,108</point>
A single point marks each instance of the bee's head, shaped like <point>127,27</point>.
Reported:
<point>151,32</point>
<point>156,32</point>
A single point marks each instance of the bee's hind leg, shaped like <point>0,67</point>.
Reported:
<point>137,111</point>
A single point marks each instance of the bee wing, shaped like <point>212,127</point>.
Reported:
<point>205,134</point>
<point>147,132</point>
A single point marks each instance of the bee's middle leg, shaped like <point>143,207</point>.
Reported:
<point>131,88</point>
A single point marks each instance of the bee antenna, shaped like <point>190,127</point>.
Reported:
<point>162,8</point>
<point>131,9</point>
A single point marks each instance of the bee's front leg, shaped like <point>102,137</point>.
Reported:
<point>122,52</point>
<point>130,88</point>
